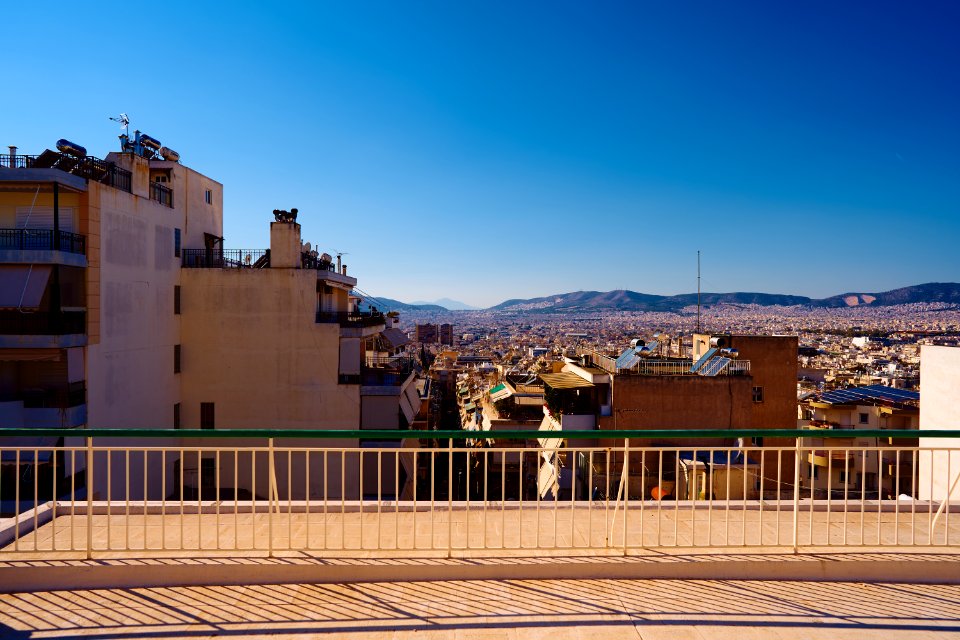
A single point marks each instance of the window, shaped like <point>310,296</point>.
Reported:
<point>176,416</point>
<point>813,471</point>
<point>208,196</point>
<point>176,299</point>
<point>206,415</point>
<point>176,358</point>
<point>758,394</point>
<point>176,243</point>
<point>864,418</point>
<point>843,477</point>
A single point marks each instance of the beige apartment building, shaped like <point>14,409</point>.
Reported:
<point>120,308</point>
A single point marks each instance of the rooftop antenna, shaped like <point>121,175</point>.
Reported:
<point>340,254</point>
<point>124,121</point>
<point>698,291</point>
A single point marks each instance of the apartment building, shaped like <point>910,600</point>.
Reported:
<point>860,465</point>
<point>120,308</point>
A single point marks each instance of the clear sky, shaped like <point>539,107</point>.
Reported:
<point>489,150</point>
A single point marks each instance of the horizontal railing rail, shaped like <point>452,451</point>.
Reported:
<point>516,434</point>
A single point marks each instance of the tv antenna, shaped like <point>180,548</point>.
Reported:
<point>124,121</point>
<point>340,254</point>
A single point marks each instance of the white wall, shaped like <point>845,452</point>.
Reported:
<point>939,410</point>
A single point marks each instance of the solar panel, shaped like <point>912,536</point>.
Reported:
<point>699,363</point>
<point>871,392</point>
<point>714,367</point>
<point>628,353</point>
<point>649,348</point>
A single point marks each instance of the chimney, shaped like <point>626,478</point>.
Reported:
<point>13,152</point>
<point>285,245</point>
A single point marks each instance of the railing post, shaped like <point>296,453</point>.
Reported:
<point>796,496</point>
<point>90,498</point>
<point>271,492</point>
<point>626,489</point>
<point>450,497</point>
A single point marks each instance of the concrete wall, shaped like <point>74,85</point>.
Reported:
<point>680,402</point>
<point>939,410</point>
<point>252,346</point>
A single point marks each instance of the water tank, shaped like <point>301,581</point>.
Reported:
<point>326,257</point>
<point>719,342</point>
<point>169,154</point>
<point>636,342</point>
<point>71,149</point>
<point>150,143</point>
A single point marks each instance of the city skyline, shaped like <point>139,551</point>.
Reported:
<point>499,152</point>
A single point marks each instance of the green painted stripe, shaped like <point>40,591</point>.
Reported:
<point>391,434</point>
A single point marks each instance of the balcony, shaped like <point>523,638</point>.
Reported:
<point>386,371</point>
<point>162,194</point>
<point>225,258</point>
<point>90,168</point>
<point>42,240</point>
<point>44,409</point>
<point>42,323</point>
<point>351,319</point>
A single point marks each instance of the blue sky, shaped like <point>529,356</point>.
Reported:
<point>490,150</point>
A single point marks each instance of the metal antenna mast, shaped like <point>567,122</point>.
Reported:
<point>698,291</point>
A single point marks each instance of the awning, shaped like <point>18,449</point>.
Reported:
<point>500,392</point>
<point>565,380</point>
<point>22,286</point>
<point>469,406</point>
<point>394,337</point>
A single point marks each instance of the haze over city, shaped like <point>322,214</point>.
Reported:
<point>494,151</point>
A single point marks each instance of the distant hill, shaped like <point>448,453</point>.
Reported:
<point>447,303</point>
<point>930,292</point>
<point>623,300</point>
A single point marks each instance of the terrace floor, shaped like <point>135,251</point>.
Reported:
<point>515,609</point>
<point>354,583</point>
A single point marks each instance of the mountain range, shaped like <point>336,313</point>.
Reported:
<point>625,300</point>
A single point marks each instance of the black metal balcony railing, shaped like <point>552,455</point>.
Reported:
<point>351,319</point>
<point>162,194</point>
<point>73,396</point>
<point>225,258</point>
<point>308,261</point>
<point>382,372</point>
<point>42,323</point>
<point>89,167</point>
<point>42,239</point>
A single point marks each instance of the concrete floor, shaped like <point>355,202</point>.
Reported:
<point>553,609</point>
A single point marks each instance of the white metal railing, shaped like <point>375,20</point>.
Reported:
<point>460,500</point>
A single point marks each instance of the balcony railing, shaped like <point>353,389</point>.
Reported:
<point>89,167</point>
<point>42,323</point>
<point>162,194</point>
<point>225,258</point>
<point>652,367</point>
<point>49,398</point>
<point>351,319</point>
<point>386,371</point>
<point>42,240</point>
<point>455,492</point>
